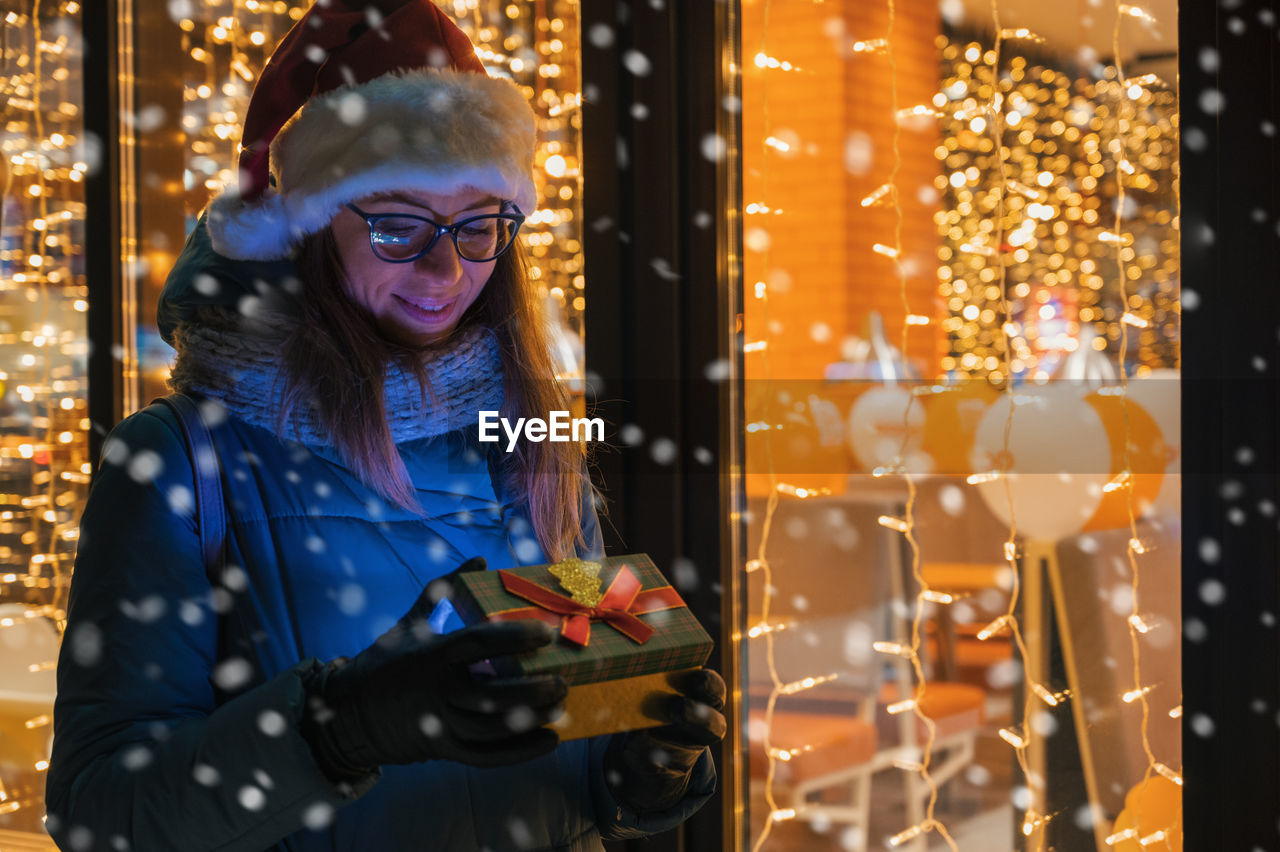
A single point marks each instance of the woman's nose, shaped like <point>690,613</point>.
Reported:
<point>442,260</point>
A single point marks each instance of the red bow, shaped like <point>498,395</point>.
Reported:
<point>617,608</point>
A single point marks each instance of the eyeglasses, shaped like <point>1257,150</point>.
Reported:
<point>401,238</point>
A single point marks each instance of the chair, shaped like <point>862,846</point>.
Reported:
<point>28,650</point>
<point>837,571</point>
<point>843,751</point>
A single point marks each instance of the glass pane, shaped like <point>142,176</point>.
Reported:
<point>962,424</point>
<point>44,454</point>
<point>220,46</point>
<point>538,44</point>
<point>193,64</point>
<point>188,73</point>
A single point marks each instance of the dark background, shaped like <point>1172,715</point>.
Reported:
<point>1231,695</point>
<point>658,315</point>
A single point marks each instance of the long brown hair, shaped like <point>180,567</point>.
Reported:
<point>335,361</point>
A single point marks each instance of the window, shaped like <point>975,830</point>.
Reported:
<point>44,448</point>
<point>186,72</point>
<point>961,329</point>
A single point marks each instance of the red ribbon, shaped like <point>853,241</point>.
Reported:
<point>617,608</point>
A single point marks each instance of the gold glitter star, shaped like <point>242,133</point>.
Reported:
<point>581,579</point>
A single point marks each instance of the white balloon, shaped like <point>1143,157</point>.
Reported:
<point>878,421</point>
<point>1057,461</point>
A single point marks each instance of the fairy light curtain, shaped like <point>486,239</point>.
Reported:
<point>188,68</point>
<point>943,213</point>
<point>1059,198</point>
<point>44,459</point>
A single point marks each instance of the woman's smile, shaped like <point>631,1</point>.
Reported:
<point>427,311</point>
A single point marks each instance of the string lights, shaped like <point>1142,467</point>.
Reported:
<point>1060,131</point>
<point>761,561</point>
<point>1015,736</point>
<point>1047,185</point>
<point>44,463</point>
<point>1129,98</point>
<point>1012,349</point>
<point>906,650</point>
<point>1062,152</point>
<point>536,43</point>
<point>906,526</point>
<point>1127,125</point>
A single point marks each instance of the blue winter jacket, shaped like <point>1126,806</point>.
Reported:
<point>178,707</point>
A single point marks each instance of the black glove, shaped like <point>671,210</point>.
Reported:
<point>411,697</point>
<point>648,770</point>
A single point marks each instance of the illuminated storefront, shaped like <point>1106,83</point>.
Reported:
<point>886,308</point>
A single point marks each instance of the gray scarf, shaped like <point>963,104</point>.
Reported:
<point>227,357</point>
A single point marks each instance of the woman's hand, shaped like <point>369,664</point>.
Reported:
<point>411,697</point>
<point>648,770</point>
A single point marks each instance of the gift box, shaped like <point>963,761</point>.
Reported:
<point>622,632</point>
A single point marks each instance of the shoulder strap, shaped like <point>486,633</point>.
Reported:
<point>211,521</point>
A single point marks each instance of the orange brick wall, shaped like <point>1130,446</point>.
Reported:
<point>819,261</point>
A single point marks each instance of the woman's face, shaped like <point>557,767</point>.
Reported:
<point>419,302</point>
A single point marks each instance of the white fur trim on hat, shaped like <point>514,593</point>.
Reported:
<point>437,131</point>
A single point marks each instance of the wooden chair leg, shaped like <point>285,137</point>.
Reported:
<point>916,793</point>
<point>861,795</point>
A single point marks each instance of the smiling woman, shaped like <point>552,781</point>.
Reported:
<point>376,311</point>
<point>415,285</point>
<point>389,303</point>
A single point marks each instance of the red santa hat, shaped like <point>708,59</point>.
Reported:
<point>364,96</point>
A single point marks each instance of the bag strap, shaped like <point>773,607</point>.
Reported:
<point>211,521</point>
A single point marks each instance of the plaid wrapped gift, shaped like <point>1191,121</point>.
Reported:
<point>623,630</point>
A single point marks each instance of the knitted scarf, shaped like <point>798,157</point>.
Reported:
<point>238,362</point>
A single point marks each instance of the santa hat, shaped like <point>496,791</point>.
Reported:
<point>365,96</point>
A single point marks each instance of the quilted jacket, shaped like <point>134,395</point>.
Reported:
<point>179,697</point>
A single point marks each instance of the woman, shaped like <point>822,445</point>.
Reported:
<point>345,321</point>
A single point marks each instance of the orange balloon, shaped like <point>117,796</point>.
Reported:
<point>795,430</point>
<point>1124,823</point>
<point>1146,460</point>
<point>1155,805</point>
<point>952,414</point>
